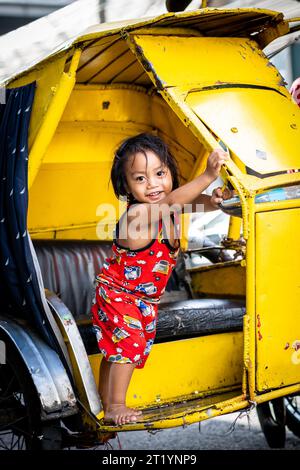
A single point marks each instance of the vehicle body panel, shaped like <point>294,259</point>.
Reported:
<point>180,76</point>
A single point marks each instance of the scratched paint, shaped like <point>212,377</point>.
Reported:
<point>295,358</point>
<point>67,320</point>
<point>148,66</point>
<point>259,335</point>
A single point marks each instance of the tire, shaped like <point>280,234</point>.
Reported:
<point>272,419</point>
<point>20,423</point>
<point>292,408</point>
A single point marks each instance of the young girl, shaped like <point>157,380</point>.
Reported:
<point>131,282</point>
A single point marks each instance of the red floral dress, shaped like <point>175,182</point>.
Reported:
<point>127,295</point>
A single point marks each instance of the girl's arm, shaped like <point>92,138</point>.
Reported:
<point>185,194</point>
<point>203,203</point>
<point>207,203</point>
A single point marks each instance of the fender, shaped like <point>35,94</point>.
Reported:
<point>84,379</point>
<point>45,368</point>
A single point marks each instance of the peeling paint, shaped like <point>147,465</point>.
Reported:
<point>149,425</point>
<point>259,335</point>
<point>258,326</point>
<point>295,357</point>
<point>296,345</point>
<point>242,54</point>
<point>148,66</point>
<point>251,46</point>
<point>105,104</point>
<point>67,320</point>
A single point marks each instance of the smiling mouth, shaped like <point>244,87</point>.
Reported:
<point>156,193</point>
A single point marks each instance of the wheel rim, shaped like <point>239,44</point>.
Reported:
<point>293,406</point>
<point>15,423</point>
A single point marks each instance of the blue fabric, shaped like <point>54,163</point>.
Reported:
<point>19,290</point>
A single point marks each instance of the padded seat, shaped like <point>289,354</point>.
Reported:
<point>188,318</point>
<point>195,317</point>
<point>69,270</point>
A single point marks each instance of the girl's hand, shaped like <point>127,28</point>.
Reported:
<point>218,196</point>
<point>214,163</point>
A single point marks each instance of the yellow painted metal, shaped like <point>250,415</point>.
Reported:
<point>52,118</point>
<point>220,280</point>
<point>185,368</point>
<point>209,411</point>
<point>216,409</point>
<point>47,78</point>
<point>175,96</point>
<point>234,230</point>
<point>76,167</point>
<point>282,392</point>
<point>243,183</point>
<point>224,110</point>
<point>250,299</point>
<point>269,206</point>
<point>277,299</point>
<point>247,364</point>
<point>285,179</point>
<point>172,56</point>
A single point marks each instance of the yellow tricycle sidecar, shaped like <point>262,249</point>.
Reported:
<point>228,331</point>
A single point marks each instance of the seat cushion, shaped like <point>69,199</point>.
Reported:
<point>184,319</point>
<point>195,317</point>
<point>69,269</point>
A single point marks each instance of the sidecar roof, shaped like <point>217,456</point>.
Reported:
<point>244,22</point>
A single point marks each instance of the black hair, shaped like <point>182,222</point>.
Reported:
<point>133,145</point>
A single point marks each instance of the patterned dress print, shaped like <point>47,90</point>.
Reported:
<point>128,291</point>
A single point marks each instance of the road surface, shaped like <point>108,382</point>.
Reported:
<point>230,432</point>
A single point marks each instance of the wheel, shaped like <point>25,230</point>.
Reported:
<point>272,419</point>
<point>292,408</point>
<point>20,423</point>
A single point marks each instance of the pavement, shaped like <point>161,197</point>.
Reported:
<point>236,431</point>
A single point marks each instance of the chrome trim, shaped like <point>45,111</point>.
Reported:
<point>86,387</point>
<point>54,327</point>
<point>48,374</point>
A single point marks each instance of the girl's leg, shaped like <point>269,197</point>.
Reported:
<point>104,382</point>
<point>119,379</point>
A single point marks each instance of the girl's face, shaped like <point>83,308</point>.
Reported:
<point>147,179</point>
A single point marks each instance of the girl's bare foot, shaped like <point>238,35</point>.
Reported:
<point>121,414</point>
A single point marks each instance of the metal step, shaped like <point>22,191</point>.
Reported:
<point>176,414</point>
